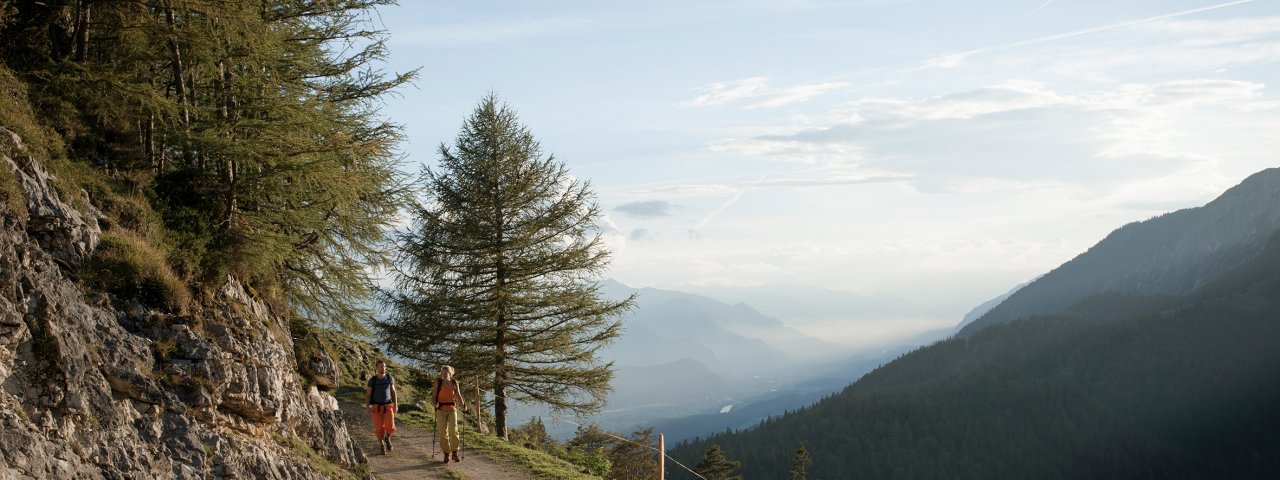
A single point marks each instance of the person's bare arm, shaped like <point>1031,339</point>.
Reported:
<point>394,399</point>
<point>368,393</point>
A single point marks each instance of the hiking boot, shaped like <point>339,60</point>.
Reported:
<point>382,447</point>
<point>387,442</point>
<point>446,458</point>
<point>455,456</point>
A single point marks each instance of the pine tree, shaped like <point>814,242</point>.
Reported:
<point>498,274</point>
<point>715,466</point>
<point>800,463</point>
<point>633,460</point>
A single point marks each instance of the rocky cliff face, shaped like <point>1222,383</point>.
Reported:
<point>100,387</point>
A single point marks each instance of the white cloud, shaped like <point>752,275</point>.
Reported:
<point>797,94</point>
<point>1206,33</point>
<point>722,93</point>
<point>1008,96</point>
<point>1015,137</point>
<point>615,240</point>
<point>788,150</point>
<point>686,190</point>
<point>958,59</point>
<point>758,88</point>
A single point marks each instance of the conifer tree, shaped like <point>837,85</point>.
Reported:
<point>715,466</point>
<point>498,275</point>
<point>800,463</point>
<point>253,127</point>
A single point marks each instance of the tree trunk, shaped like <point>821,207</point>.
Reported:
<point>500,382</point>
<point>500,277</point>
<point>229,176</point>
<point>82,31</point>
<point>149,143</point>
<point>180,85</point>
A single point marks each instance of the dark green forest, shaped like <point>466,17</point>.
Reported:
<point>217,138</point>
<point>1118,387</point>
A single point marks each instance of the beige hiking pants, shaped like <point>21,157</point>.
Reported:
<point>447,430</point>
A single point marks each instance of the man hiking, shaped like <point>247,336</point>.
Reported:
<point>447,396</point>
<point>380,397</point>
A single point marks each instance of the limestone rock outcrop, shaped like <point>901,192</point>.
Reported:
<point>93,386</point>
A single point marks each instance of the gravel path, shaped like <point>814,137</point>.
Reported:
<point>411,456</point>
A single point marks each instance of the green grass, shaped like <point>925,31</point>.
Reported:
<point>129,266</point>
<point>17,115</point>
<point>536,463</point>
<point>318,461</point>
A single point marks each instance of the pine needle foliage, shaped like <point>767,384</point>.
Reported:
<point>254,124</point>
<point>800,463</point>
<point>498,275</point>
<point>716,466</point>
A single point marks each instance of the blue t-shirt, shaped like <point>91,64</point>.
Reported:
<point>381,389</point>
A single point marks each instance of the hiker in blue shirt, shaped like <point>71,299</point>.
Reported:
<point>380,396</point>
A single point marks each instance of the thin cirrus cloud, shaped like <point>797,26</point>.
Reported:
<point>1022,136</point>
<point>687,190</point>
<point>957,59</point>
<point>646,209</point>
<point>761,94</point>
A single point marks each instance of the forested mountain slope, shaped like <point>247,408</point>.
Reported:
<point>1128,387</point>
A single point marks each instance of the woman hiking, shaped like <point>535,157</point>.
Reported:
<point>447,396</point>
<point>380,397</point>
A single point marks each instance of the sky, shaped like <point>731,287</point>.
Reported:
<point>938,151</point>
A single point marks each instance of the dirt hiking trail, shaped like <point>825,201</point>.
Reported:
<point>411,457</point>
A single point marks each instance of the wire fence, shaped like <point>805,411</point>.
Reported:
<point>610,434</point>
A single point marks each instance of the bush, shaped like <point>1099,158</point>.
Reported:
<point>592,459</point>
<point>127,266</point>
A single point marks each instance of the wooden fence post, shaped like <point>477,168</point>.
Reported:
<point>480,426</point>
<point>662,457</point>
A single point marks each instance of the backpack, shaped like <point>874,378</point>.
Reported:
<point>436,394</point>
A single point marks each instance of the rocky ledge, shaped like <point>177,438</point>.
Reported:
<point>101,387</point>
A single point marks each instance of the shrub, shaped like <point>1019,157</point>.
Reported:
<point>127,266</point>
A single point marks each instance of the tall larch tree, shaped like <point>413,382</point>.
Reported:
<point>251,127</point>
<point>800,463</point>
<point>499,273</point>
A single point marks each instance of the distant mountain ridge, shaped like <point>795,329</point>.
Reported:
<point>1125,386</point>
<point>733,340</point>
<point>798,303</point>
<point>1175,253</point>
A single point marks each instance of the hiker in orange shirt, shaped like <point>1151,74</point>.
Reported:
<point>380,396</point>
<point>447,396</point>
